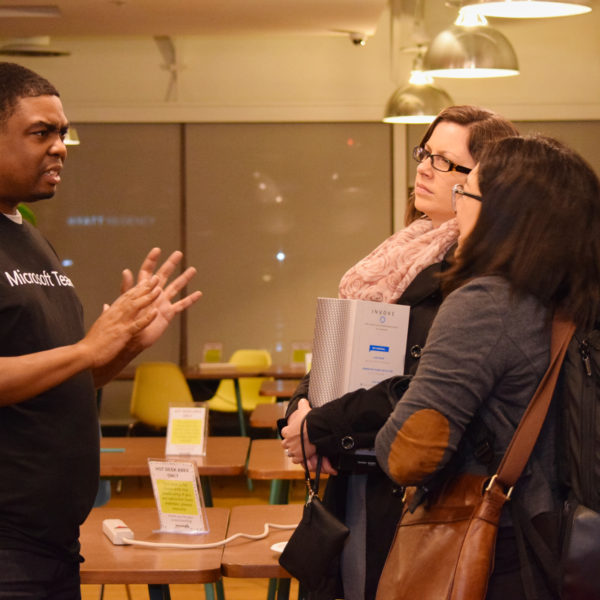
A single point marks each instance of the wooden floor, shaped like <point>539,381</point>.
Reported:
<point>227,492</point>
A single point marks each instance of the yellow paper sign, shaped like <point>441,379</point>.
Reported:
<point>177,494</point>
<point>187,431</point>
<point>177,497</point>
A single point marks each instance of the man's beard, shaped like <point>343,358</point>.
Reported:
<point>40,196</point>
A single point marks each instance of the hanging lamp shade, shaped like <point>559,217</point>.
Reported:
<point>418,102</point>
<point>527,9</point>
<point>470,48</point>
<point>72,137</point>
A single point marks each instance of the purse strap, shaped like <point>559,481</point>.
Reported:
<point>313,487</point>
<point>527,432</point>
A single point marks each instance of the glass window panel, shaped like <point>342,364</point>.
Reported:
<point>276,213</point>
<point>119,197</point>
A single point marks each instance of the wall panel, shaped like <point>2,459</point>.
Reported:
<point>318,193</point>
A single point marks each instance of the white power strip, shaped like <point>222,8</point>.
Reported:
<point>116,531</point>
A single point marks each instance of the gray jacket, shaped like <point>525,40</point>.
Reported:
<point>486,353</point>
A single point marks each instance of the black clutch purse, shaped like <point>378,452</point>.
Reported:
<point>318,539</point>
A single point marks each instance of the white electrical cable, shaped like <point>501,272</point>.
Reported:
<point>250,536</point>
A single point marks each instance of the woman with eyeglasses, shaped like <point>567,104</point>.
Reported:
<point>529,245</point>
<point>404,269</point>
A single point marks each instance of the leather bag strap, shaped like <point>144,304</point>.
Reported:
<point>529,428</point>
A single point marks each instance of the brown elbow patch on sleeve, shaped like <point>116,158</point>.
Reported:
<point>419,446</point>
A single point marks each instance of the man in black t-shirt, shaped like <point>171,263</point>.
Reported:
<point>49,366</point>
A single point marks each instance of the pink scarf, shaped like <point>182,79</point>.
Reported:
<point>385,273</point>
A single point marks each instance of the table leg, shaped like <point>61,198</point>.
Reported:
<point>278,589</point>
<point>272,589</point>
<point>280,490</point>
<point>238,397</point>
<point>159,591</point>
<point>283,589</point>
<point>209,591</point>
<point>220,590</point>
<point>242,421</point>
<point>206,491</point>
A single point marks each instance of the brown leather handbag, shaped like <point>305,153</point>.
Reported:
<point>444,550</point>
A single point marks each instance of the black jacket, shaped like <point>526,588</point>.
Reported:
<point>359,417</point>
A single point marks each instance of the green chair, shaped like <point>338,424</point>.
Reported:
<point>242,394</point>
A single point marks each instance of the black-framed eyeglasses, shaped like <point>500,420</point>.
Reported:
<point>438,162</point>
<point>458,189</point>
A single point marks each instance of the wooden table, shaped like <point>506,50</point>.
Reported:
<point>254,558</point>
<point>280,388</point>
<point>224,455</point>
<point>268,460</point>
<point>266,415</point>
<point>107,563</point>
<point>228,371</point>
<point>128,457</point>
<point>290,371</point>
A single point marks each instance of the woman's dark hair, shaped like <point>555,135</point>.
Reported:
<point>484,126</point>
<point>539,226</point>
<point>17,82</point>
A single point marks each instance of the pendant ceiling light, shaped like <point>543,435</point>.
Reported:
<point>470,48</point>
<point>527,9</point>
<point>72,137</point>
<point>418,102</point>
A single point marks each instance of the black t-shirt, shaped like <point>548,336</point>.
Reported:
<point>49,444</point>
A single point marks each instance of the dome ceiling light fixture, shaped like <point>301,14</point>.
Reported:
<point>418,102</point>
<point>72,137</point>
<point>527,9</point>
<point>470,48</point>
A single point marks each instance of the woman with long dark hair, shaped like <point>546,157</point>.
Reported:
<point>529,245</point>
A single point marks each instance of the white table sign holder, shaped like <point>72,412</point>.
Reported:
<point>177,494</point>
<point>187,430</point>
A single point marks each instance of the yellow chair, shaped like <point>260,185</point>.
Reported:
<point>155,386</point>
<point>225,398</point>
